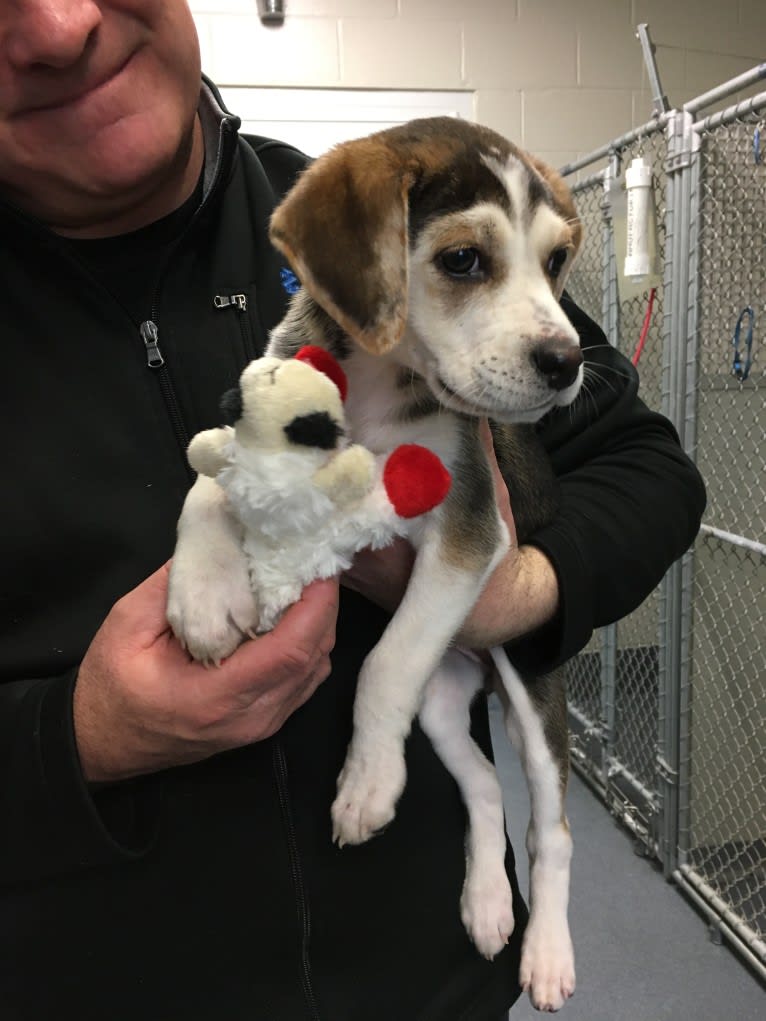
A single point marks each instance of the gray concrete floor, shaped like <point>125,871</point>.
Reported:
<point>642,951</point>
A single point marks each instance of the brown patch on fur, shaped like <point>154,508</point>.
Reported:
<point>471,530</point>
<point>562,197</point>
<point>548,694</point>
<point>343,228</point>
<point>527,472</point>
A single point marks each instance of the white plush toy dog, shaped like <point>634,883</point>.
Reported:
<point>307,498</point>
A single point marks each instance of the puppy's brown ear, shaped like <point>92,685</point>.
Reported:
<point>343,228</point>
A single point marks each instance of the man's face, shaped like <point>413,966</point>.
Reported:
<point>97,100</point>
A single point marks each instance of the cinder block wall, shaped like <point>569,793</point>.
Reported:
<point>560,77</point>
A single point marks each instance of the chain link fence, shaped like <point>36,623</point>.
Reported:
<point>668,707</point>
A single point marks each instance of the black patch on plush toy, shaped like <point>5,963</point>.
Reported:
<point>231,406</point>
<point>314,430</point>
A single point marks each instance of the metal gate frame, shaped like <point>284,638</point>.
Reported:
<point>648,772</point>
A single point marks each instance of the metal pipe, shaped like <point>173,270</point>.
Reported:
<point>659,99</point>
<point>619,143</point>
<point>749,945</point>
<point>588,182</point>
<point>735,540</point>
<point>732,113</point>
<point>741,81</point>
<point>271,11</point>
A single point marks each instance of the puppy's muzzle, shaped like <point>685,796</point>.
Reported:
<point>559,361</point>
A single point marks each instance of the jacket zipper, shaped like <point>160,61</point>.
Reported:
<point>239,302</point>
<point>154,359</point>
<point>304,918</point>
<point>149,331</point>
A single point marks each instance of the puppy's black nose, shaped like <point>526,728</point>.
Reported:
<point>558,360</point>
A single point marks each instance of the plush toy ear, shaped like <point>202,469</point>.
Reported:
<point>343,227</point>
<point>206,454</point>
<point>231,405</point>
<point>323,361</point>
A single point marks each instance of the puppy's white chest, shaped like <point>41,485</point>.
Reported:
<point>374,406</point>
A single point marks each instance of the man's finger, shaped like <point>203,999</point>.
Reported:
<point>304,635</point>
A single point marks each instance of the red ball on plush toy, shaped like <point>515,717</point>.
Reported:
<point>416,481</point>
<point>324,362</point>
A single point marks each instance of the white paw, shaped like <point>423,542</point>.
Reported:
<point>368,788</point>
<point>547,964</point>
<point>212,609</point>
<point>486,907</point>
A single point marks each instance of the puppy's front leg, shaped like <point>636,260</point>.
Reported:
<point>210,601</point>
<point>445,583</point>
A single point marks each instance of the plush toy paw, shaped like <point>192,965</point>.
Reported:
<point>416,481</point>
<point>348,476</point>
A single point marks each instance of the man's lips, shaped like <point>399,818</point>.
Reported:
<point>52,103</point>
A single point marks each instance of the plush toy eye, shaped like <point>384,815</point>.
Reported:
<point>556,262</point>
<point>317,429</point>
<point>461,262</point>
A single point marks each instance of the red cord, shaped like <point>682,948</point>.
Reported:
<point>644,328</point>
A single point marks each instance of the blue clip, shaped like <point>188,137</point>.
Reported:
<point>290,281</point>
<point>740,368</point>
<point>757,157</point>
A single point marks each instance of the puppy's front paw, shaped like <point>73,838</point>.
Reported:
<point>486,907</point>
<point>547,964</point>
<point>211,609</point>
<point>368,788</point>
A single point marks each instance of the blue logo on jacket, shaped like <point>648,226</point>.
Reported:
<point>290,281</point>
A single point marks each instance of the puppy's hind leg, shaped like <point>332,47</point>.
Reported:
<point>536,724</point>
<point>486,903</point>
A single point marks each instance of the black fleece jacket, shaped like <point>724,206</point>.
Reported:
<point>213,892</point>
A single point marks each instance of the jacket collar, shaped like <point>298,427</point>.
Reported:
<point>219,132</point>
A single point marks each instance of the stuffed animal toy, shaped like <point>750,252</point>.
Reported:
<point>308,499</point>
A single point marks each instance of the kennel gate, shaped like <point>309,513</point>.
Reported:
<point>668,707</point>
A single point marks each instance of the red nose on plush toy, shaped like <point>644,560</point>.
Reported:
<point>416,481</point>
<point>324,362</point>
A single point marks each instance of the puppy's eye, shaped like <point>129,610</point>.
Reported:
<point>556,262</point>
<point>461,262</point>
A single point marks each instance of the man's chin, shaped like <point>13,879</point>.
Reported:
<point>123,179</point>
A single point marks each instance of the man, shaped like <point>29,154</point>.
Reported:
<point>166,850</point>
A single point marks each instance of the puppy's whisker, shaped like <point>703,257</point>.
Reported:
<point>592,375</point>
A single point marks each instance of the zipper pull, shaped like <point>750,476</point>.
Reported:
<point>150,337</point>
<point>225,300</point>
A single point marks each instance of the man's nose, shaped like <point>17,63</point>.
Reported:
<point>50,33</point>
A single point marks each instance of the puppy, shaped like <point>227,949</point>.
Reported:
<point>431,257</point>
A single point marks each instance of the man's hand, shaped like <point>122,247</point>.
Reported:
<point>141,704</point>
